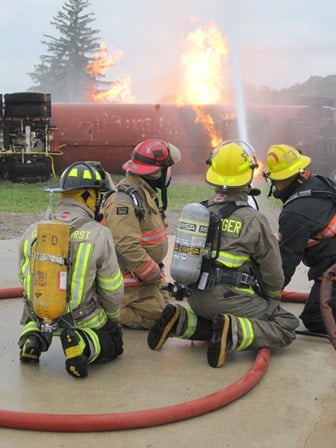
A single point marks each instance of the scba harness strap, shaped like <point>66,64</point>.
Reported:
<point>235,278</point>
<point>323,194</point>
<point>217,218</point>
<point>134,194</point>
<point>211,273</point>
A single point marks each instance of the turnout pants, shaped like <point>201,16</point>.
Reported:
<point>272,325</point>
<point>143,305</point>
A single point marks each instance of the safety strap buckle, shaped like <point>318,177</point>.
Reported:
<point>244,279</point>
<point>232,277</point>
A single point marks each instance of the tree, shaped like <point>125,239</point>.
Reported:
<point>63,70</point>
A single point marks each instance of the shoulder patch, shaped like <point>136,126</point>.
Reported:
<point>122,210</point>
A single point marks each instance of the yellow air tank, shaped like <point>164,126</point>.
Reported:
<point>50,269</point>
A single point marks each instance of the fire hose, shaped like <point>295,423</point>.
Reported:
<point>141,418</point>
<point>134,419</point>
<point>325,299</point>
<point>11,293</point>
<point>148,417</point>
<point>286,296</point>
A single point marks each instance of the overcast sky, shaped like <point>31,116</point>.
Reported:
<point>281,43</point>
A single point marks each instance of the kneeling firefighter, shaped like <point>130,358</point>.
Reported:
<point>307,229</point>
<point>234,293</point>
<point>71,278</point>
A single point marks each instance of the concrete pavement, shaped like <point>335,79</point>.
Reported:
<point>293,405</point>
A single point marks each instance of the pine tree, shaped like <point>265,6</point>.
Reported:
<point>62,71</point>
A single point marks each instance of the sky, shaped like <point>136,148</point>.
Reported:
<point>277,44</point>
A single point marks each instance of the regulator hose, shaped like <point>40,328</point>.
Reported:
<point>142,418</point>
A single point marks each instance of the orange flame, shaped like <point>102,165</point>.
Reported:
<point>116,91</point>
<point>203,61</point>
<point>205,56</point>
<point>103,61</point>
<point>258,171</point>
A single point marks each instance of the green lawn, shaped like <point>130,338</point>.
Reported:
<point>31,198</point>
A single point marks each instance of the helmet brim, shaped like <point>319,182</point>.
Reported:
<point>139,168</point>
<point>291,171</point>
<point>58,189</point>
<point>53,189</point>
<point>239,180</point>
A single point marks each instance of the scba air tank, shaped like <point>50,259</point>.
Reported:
<point>190,244</point>
<point>49,270</point>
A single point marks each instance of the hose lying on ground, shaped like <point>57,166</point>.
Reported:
<point>142,418</point>
<point>325,299</point>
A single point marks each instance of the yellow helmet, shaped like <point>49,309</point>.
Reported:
<point>231,165</point>
<point>284,161</point>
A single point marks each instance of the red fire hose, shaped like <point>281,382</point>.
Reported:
<point>142,418</point>
<point>286,296</point>
<point>325,299</point>
<point>134,419</point>
<point>11,293</point>
<point>295,297</point>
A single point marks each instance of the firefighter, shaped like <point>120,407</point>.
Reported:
<point>88,327</point>
<point>307,224</point>
<point>137,221</point>
<point>235,304</point>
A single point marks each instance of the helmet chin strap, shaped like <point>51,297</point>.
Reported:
<point>284,193</point>
<point>98,211</point>
<point>162,184</point>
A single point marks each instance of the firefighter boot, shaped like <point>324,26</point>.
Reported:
<point>221,339</point>
<point>164,326</point>
<point>201,329</point>
<point>76,362</point>
<point>31,348</point>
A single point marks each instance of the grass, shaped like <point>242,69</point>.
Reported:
<point>24,198</point>
<point>31,198</point>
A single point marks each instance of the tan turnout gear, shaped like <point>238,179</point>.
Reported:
<point>137,222</point>
<point>82,265</point>
<point>142,245</point>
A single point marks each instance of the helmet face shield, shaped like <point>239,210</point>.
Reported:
<point>231,165</point>
<point>174,154</point>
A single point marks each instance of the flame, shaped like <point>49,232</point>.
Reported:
<point>102,61</point>
<point>116,91</point>
<point>208,123</point>
<point>258,171</point>
<point>203,61</point>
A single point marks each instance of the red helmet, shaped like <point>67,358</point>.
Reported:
<point>151,156</point>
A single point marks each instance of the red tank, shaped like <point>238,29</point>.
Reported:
<point>43,137</point>
<point>109,132</point>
